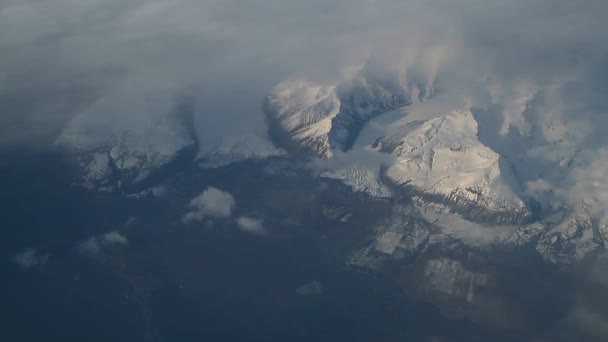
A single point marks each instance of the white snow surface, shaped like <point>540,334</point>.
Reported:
<point>361,178</point>
<point>476,234</point>
<point>444,156</point>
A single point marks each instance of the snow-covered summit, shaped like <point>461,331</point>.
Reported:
<point>441,160</point>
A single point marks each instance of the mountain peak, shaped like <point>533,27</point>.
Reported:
<point>441,160</point>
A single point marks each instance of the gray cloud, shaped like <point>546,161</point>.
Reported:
<point>314,288</point>
<point>95,245</point>
<point>114,238</point>
<point>30,258</point>
<point>251,225</point>
<point>212,203</point>
<point>90,246</point>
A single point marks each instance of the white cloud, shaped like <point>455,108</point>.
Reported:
<point>30,258</point>
<point>251,225</point>
<point>212,203</point>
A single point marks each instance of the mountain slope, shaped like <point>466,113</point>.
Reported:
<point>124,138</point>
<point>441,160</point>
<point>318,119</point>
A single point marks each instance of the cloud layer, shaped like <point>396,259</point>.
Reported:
<point>63,56</point>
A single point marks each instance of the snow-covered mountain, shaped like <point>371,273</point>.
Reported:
<point>516,173</point>
<point>131,134</point>
<point>507,164</point>
<point>441,160</point>
<point>320,119</point>
<point>124,138</point>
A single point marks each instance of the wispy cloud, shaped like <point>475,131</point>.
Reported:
<point>95,245</point>
<point>114,238</point>
<point>30,258</point>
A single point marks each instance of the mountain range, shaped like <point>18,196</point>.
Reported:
<point>378,133</point>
